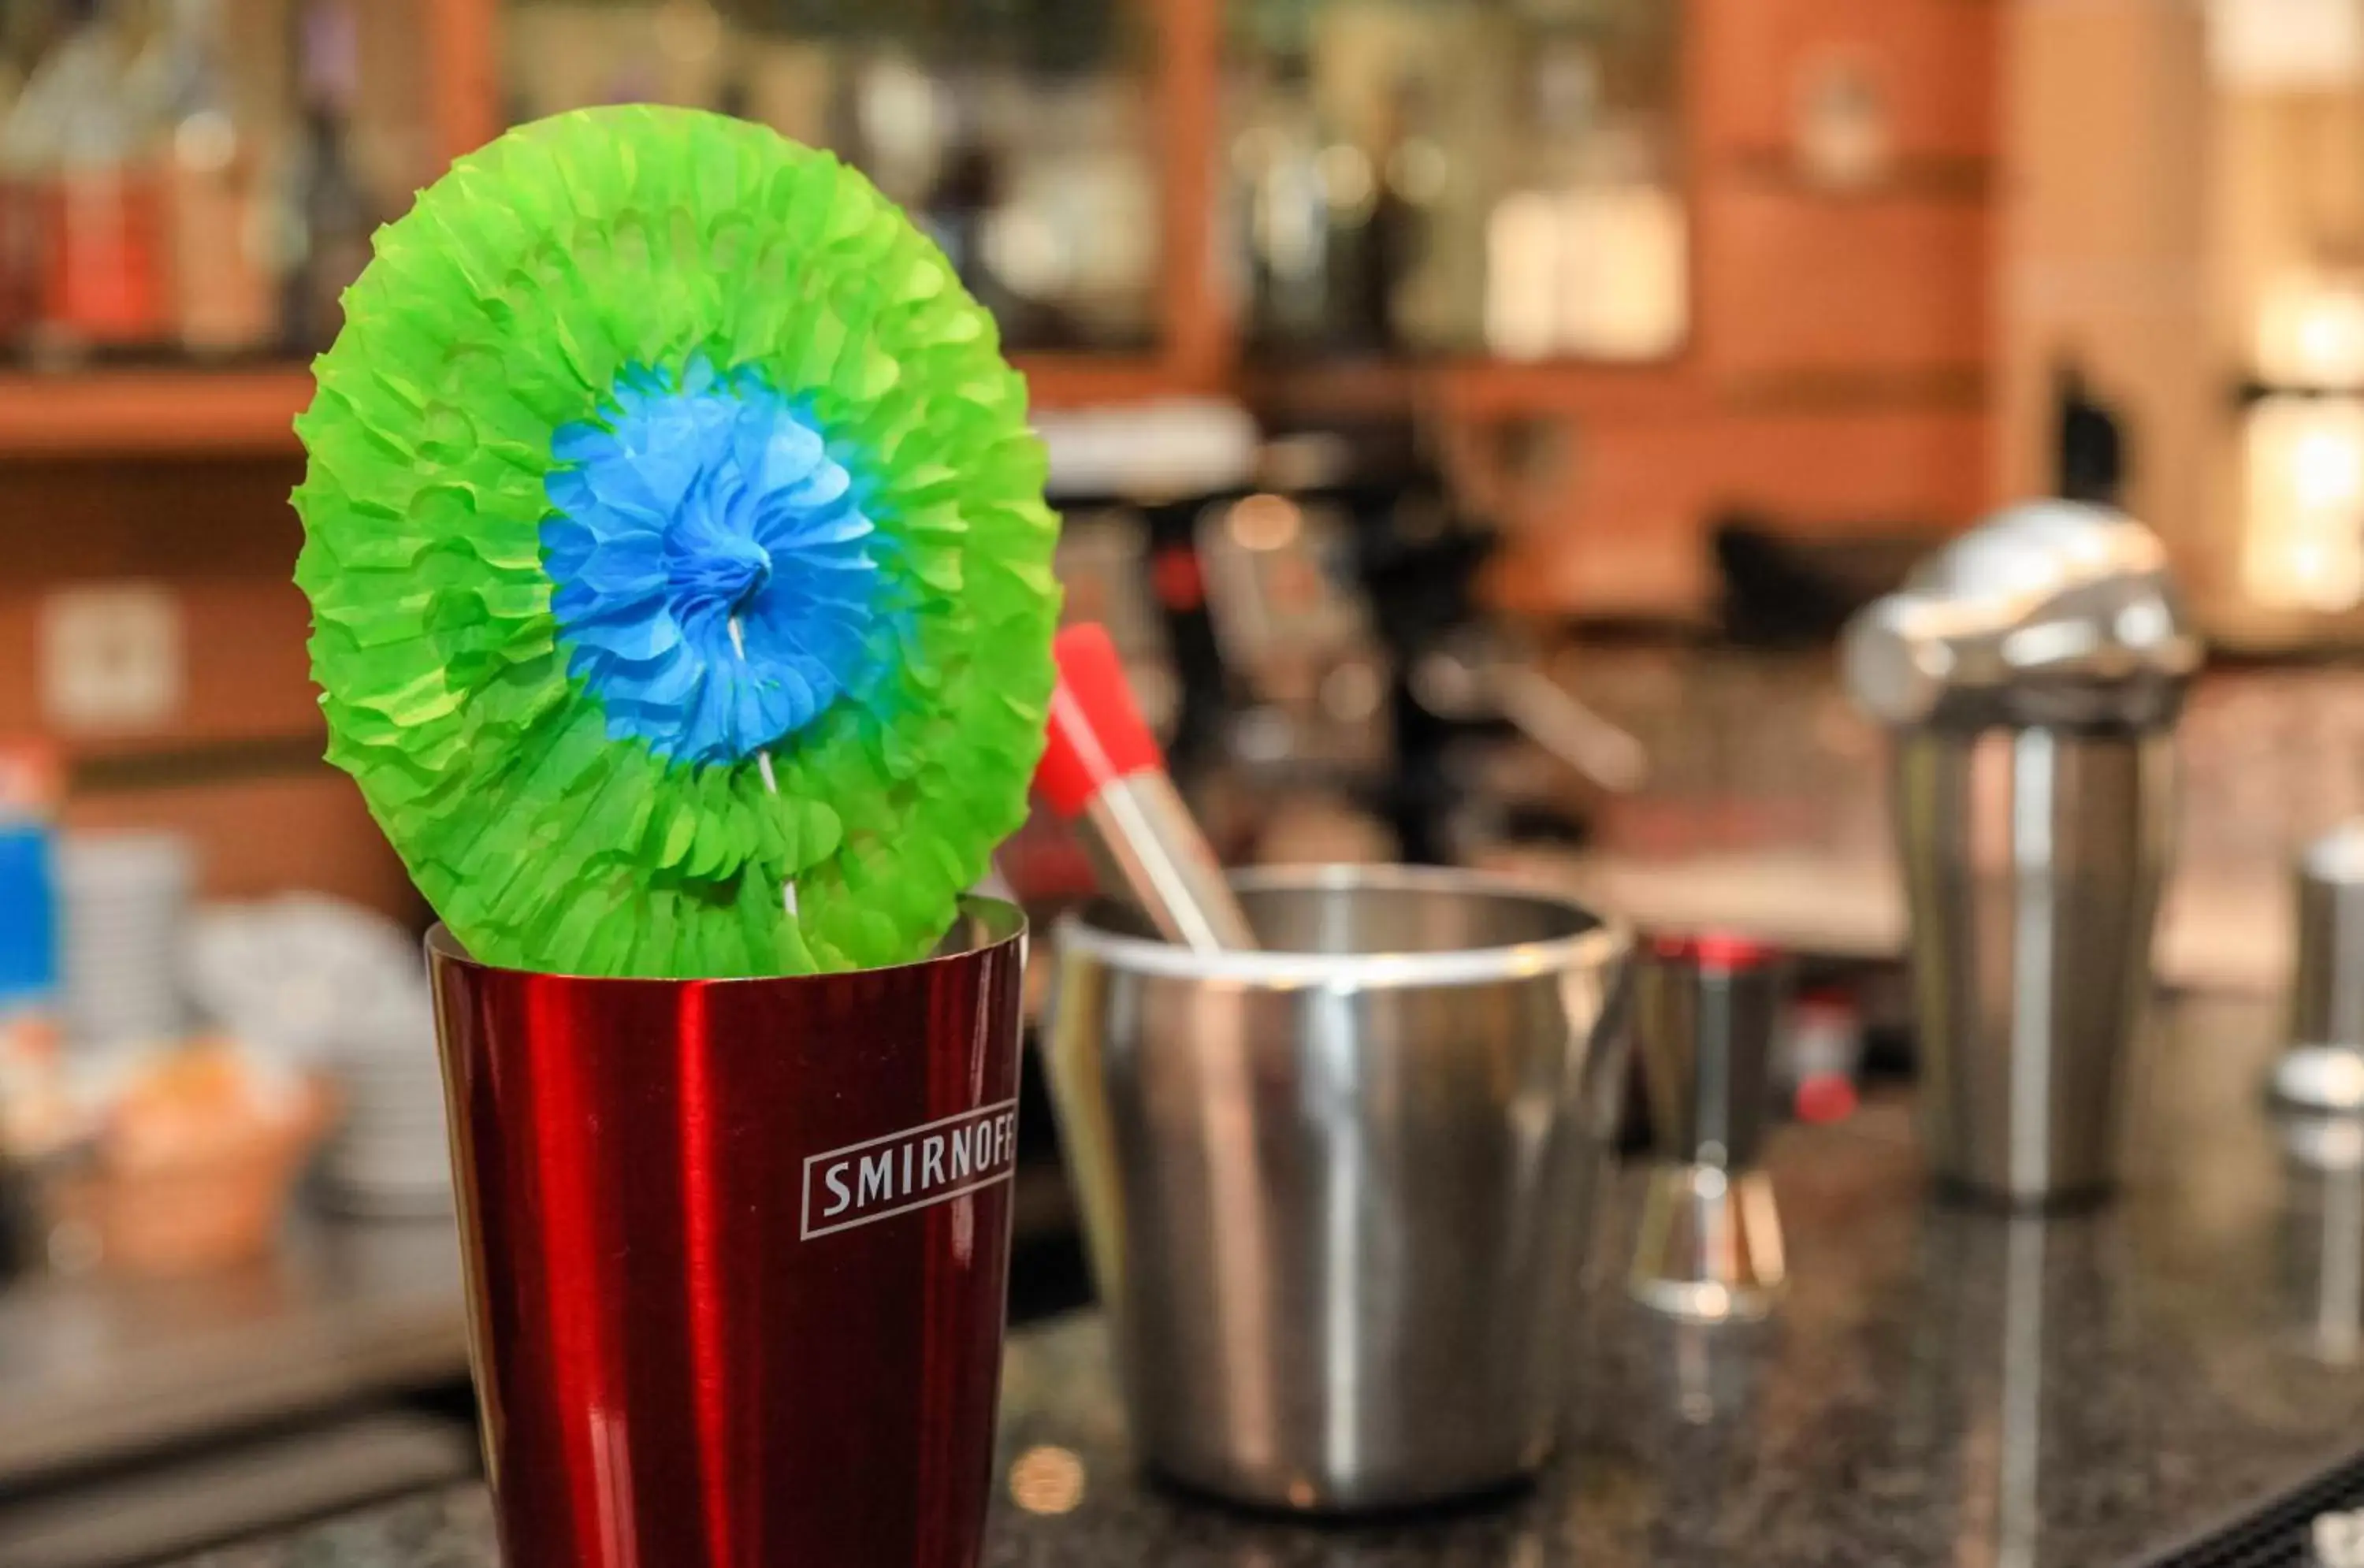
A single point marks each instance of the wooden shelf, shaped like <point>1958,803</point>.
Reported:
<point>1472,388</point>
<point>1086,381</point>
<point>192,412</point>
<point>248,411</point>
<point>162,412</point>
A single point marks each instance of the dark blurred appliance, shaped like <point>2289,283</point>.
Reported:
<point>1782,590</point>
<point>1358,659</point>
<point>2088,441</point>
<point>1300,616</point>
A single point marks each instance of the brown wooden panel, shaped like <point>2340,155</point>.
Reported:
<point>1197,328</point>
<point>1932,63</point>
<point>1810,472</point>
<point>246,675</point>
<point>264,836</point>
<point>82,520</point>
<point>152,411</point>
<point>464,51</point>
<point>1627,531</point>
<point>1794,284</point>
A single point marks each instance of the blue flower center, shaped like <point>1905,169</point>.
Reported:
<point>717,580</point>
<point>715,584</point>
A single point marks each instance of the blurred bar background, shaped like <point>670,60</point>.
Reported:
<point>1473,419</point>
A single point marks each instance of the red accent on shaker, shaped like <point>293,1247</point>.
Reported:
<point>1175,576</point>
<point>1720,952</point>
<point>1826,1097</point>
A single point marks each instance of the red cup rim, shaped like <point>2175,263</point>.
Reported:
<point>990,924</point>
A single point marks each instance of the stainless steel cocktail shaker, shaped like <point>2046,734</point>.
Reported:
<point>2032,672</point>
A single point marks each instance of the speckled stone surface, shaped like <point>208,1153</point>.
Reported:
<point>1940,1388</point>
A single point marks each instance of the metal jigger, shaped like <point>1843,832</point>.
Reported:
<point>1708,1247</point>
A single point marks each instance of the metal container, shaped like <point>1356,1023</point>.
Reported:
<point>1338,1192</point>
<point>2033,672</point>
<point>2033,860</point>
<point>1708,1244</point>
<point>2320,1069</point>
<point>2327,993</point>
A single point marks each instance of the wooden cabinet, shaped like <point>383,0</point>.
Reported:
<point>1838,274</point>
<point>1800,288</point>
<point>1927,68</point>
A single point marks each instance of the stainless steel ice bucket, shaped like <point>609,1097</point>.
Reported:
<point>1338,1192</point>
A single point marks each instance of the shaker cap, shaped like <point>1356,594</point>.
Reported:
<point>2336,859</point>
<point>2053,613</point>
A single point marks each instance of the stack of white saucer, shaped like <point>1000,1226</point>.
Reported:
<point>124,910</point>
<point>343,989</point>
<point>391,1157</point>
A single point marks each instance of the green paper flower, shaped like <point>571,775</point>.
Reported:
<point>679,566</point>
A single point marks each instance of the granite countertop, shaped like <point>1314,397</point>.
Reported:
<point>1940,1388</point>
<point>92,1367</point>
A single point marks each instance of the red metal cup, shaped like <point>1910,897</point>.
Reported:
<point>737,1253</point>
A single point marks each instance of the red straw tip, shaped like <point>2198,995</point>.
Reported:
<point>1096,734</point>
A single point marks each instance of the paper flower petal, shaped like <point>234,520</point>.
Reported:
<point>657,452</point>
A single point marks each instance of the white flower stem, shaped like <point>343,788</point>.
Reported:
<point>763,766</point>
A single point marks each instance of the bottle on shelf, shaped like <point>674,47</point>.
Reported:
<point>20,229</point>
<point>1409,169</point>
<point>1277,160</point>
<point>1585,256</point>
<point>222,302</point>
<point>85,137</point>
<point>328,208</point>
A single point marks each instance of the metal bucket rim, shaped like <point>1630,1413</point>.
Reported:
<point>1605,941</point>
<point>985,925</point>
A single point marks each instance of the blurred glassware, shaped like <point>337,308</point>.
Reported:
<point>332,210</point>
<point>23,32</point>
<point>83,137</point>
<point>1018,131</point>
<point>1817,1057</point>
<point>1842,137</point>
<point>1112,470</point>
<point>1305,196</point>
<point>200,176</point>
<point>2310,330</point>
<point>124,904</point>
<point>1465,175</point>
<point>1295,630</point>
<point>2303,545</point>
<point>1103,563</point>
<point>1147,454</point>
<point>221,282</point>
